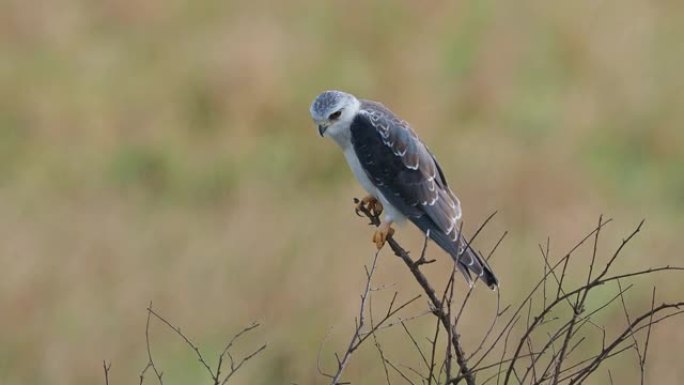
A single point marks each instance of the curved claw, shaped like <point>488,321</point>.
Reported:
<point>368,204</point>
<point>357,208</point>
<point>375,208</point>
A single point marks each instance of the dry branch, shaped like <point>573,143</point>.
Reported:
<point>549,339</point>
<point>217,377</point>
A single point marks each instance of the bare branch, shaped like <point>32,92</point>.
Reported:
<point>106,368</point>
<point>400,373</point>
<point>415,343</point>
<point>215,375</point>
<point>586,371</point>
<point>359,336</point>
<point>436,303</point>
<point>150,361</point>
<point>648,338</point>
<point>353,343</point>
<point>377,344</point>
<point>551,364</point>
<point>631,334</point>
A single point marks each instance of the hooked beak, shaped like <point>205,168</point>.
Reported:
<point>321,129</point>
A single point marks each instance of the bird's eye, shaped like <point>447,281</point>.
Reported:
<point>335,115</point>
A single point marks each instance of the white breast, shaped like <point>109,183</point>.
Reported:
<point>391,213</point>
<point>340,133</point>
<point>358,171</point>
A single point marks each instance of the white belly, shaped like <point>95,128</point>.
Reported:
<point>391,213</point>
<point>358,171</point>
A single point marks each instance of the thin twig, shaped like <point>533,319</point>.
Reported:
<point>150,361</point>
<point>341,364</point>
<point>437,305</point>
<point>360,335</point>
<point>648,338</point>
<point>106,368</point>
<point>377,343</point>
<point>214,374</point>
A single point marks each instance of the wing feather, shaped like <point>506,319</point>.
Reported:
<point>408,169</point>
<point>409,177</point>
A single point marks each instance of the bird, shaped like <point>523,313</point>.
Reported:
<point>400,174</point>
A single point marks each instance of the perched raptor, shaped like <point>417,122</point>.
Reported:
<point>401,175</point>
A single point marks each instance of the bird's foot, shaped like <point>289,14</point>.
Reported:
<point>369,204</point>
<point>382,234</point>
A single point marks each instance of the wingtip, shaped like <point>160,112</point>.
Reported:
<point>493,283</point>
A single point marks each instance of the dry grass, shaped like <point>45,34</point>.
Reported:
<point>163,151</point>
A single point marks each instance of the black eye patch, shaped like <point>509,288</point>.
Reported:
<point>335,115</point>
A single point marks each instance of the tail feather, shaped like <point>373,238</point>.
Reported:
<point>466,258</point>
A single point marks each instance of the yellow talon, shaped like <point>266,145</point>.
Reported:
<point>384,232</point>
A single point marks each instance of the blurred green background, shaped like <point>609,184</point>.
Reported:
<point>163,151</point>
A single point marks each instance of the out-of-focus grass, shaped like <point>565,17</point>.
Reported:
<point>163,151</point>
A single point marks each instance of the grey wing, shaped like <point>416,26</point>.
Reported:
<point>410,178</point>
<point>417,177</point>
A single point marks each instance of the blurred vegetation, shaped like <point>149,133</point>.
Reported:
<point>163,151</point>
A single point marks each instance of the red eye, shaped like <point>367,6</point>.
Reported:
<point>335,115</point>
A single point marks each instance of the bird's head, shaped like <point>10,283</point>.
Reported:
<point>333,112</point>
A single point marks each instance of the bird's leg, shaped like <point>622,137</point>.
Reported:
<point>383,233</point>
<point>370,204</point>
